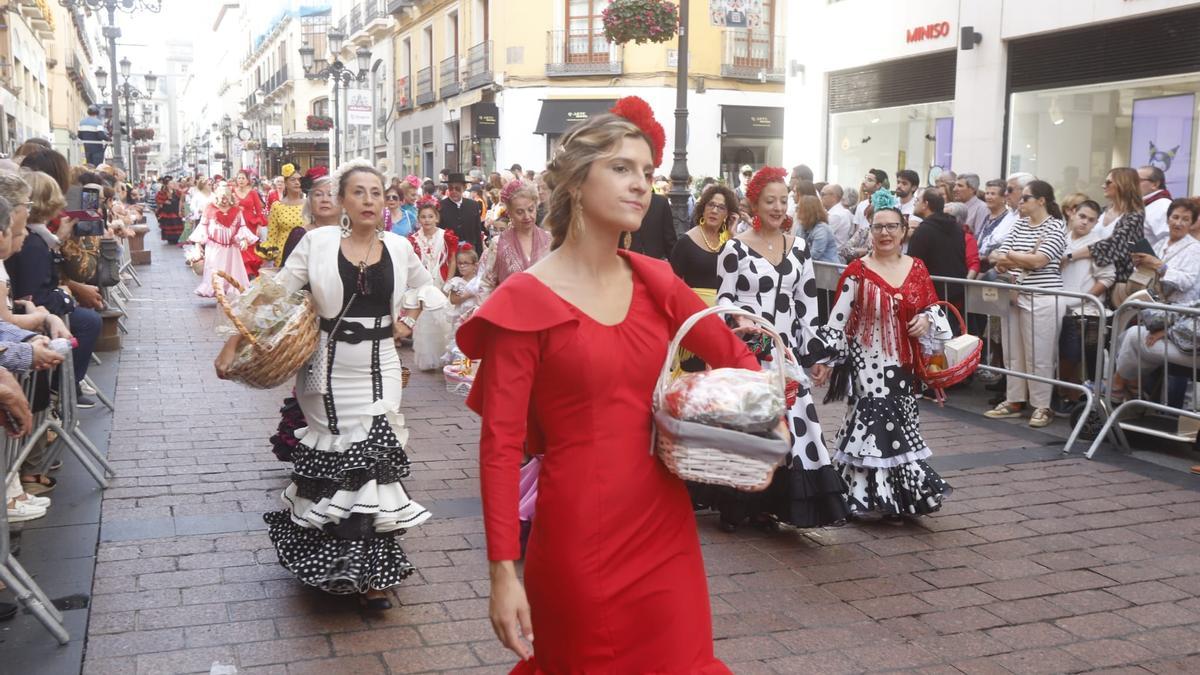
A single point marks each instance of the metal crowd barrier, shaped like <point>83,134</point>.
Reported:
<point>60,416</point>
<point>991,299</point>
<point>1112,412</point>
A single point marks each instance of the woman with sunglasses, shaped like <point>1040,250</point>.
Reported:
<point>400,216</point>
<point>883,312</point>
<point>1032,254</point>
<point>1125,218</point>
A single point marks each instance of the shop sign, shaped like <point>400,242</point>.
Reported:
<point>358,107</point>
<point>735,13</point>
<point>487,120</point>
<point>933,31</point>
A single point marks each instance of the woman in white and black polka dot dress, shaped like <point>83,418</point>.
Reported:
<point>884,307</point>
<point>769,272</point>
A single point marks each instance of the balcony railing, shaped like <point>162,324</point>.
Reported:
<point>276,81</point>
<point>581,53</point>
<point>373,9</point>
<point>448,77</point>
<point>425,86</point>
<point>341,25</point>
<point>356,22</point>
<point>752,55</point>
<point>479,65</point>
<point>397,6</point>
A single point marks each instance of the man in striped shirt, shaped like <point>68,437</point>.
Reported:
<point>93,135</point>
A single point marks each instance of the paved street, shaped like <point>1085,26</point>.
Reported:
<point>1037,563</point>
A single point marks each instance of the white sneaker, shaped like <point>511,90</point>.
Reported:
<point>86,388</point>
<point>35,500</point>
<point>24,511</point>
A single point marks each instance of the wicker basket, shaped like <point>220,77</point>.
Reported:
<point>405,375</point>
<point>197,266</point>
<point>940,380</point>
<point>715,455</point>
<point>271,367</point>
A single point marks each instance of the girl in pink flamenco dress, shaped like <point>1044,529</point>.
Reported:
<point>223,234</point>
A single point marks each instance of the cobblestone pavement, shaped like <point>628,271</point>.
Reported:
<point>1037,563</point>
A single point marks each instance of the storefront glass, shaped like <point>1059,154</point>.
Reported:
<point>916,137</point>
<point>1072,137</point>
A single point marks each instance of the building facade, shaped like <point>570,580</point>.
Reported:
<point>486,84</point>
<point>75,51</point>
<point>993,87</point>
<point>28,29</point>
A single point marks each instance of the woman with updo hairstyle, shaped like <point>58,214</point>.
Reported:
<point>346,506</point>
<point>285,214</point>
<point>882,318</point>
<point>320,210</point>
<point>571,349</point>
<point>522,244</point>
<point>768,271</point>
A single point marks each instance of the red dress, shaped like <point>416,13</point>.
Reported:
<point>252,211</point>
<point>613,570</point>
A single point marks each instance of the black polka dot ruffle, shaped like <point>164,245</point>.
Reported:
<point>337,565</point>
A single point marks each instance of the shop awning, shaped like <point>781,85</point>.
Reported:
<point>752,121</point>
<point>558,115</point>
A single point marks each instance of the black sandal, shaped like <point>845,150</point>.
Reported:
<point>40,484</point>
<point>375,604</point>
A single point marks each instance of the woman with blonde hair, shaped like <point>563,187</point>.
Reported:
<point>1124,220</point>
<point>223,234</point>
<point>570,349</point>
<point>814,229</point>
<point>520,246</point>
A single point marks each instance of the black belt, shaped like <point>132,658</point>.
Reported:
<point>354,333</point>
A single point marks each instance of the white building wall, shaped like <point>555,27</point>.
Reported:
<point>824,37</point>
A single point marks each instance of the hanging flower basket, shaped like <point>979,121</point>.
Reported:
<point>640,21</point>
<point>319,123</point>
<point>143,134</point>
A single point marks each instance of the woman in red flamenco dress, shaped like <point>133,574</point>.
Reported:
<point>252,211</point>
<point>571,349</point>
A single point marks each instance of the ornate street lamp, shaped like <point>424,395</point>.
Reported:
<point>336,72</point>
<point>111,33</point>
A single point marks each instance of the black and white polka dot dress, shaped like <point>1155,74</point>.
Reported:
<point>346,507</point>
<point>879,449</point>
<point>807,493</point>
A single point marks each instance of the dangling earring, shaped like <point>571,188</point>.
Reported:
<point>345,226</point>
<point>380,232</point>
<point>702,222</point>
<point>756,223</point>
<point>577,216</point>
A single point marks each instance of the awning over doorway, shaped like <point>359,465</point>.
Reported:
<point>558,115</point>
<point>752,121</point>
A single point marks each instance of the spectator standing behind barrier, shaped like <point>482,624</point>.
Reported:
<point>991,235</point>
<point>859,243</point>
<point>945,182</point>
<point>966,192</point>
<point>839,215</point>
<point>1145,348</point>
<point>959,213</point>
<point>814,229</point>
<point>1081,323</point>
<point>939,243</point>
<point>907,184</point>
<point>1127,214</point>
<point>1032,256</point>
<point>1157,199</point>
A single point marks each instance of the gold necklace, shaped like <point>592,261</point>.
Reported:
<point>704,235</point>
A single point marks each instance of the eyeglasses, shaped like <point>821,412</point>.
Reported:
<point>716,207</point>
<point>1107,182</point>
<point>464,263</point>
<point>1025,198</point>
<point>393,198</point>
<point>1009,190</point>
<point>885,227</point>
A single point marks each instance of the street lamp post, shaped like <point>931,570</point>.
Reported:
<point>679,170</point>
<point>227,135</point>
<point>337,72</point>
<point>128,93</point>
<point>111,33</point>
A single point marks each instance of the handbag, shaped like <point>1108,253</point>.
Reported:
<point>80,258</point>
<point>108,263</point>
<point>316,371</point>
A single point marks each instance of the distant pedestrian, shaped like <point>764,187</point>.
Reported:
<point>94,135</point>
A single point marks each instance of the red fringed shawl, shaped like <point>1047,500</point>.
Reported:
<point>894,307</point>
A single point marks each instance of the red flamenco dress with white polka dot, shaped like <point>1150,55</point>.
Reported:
<point>880,452</point>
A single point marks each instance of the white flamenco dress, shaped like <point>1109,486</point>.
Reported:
<point>346,506</point>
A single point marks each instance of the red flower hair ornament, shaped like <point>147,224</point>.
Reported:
<point>636,110</point>
<point>429,202</point>
<point>762,178</point>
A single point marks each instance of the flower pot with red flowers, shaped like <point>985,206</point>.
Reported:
<point>319,123</point>
<point>640,21</point>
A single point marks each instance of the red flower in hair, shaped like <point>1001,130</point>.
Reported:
<point>465,246</point>
<point>636,110</point>
<point>317,172</point>
<point>430,202</point>
<point>762,178</point>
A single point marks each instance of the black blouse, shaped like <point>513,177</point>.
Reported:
<point>377,278</point>
<point>694,264</point>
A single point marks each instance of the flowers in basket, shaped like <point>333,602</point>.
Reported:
<point>278,329</point>
<point>640,21</point>
<point>460,375</point>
